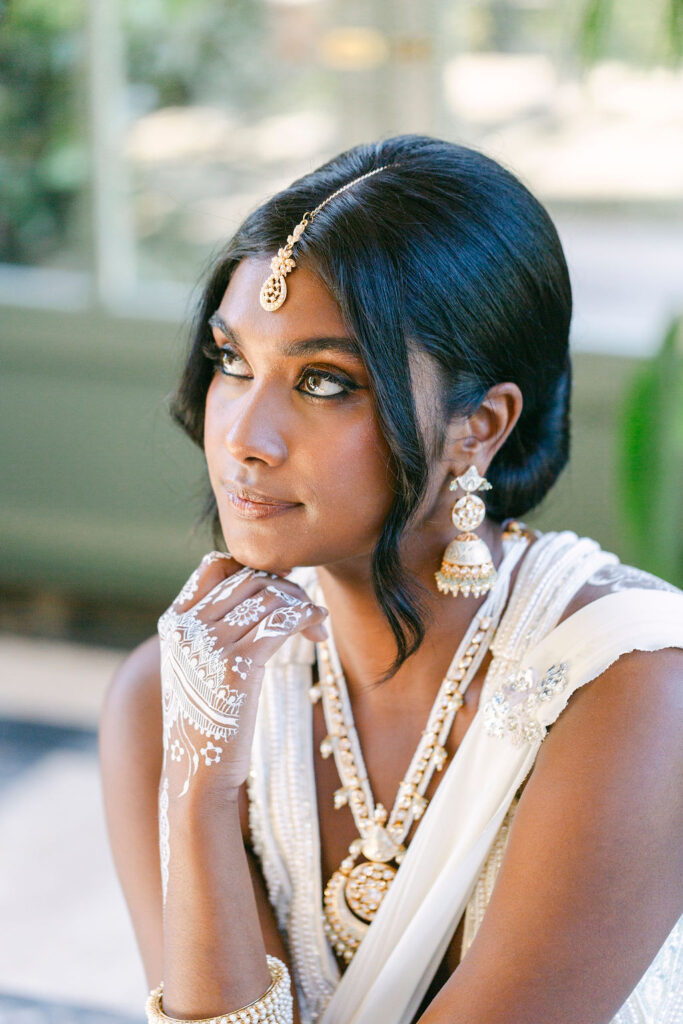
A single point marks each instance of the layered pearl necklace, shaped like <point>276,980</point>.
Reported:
<point>355,892</point>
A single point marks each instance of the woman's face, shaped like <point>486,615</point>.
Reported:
<point>290,414</point>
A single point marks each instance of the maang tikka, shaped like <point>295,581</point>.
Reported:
<point>467,565</point>
<point>274,289</point>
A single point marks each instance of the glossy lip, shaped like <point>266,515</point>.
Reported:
<point>253,505</point>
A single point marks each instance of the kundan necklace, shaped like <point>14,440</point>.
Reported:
<point>355,891</point>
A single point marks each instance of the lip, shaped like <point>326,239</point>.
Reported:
<point>254,504</point>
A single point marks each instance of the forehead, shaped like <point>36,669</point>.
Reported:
<point>309,308</point>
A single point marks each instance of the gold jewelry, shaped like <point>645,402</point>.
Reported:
<point>274,289</point>
<point>274,1006</point>
<point>355,892</point>
<point>467,564</point>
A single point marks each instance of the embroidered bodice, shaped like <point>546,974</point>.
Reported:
<point>528,683</point>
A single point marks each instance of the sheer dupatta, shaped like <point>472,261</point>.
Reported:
<point>536,667</point>
<point>396,961</point>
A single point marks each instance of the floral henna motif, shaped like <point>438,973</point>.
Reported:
<point>196,697</point>
<point>245,612</point>
<point>241,666</point>
<point>211,753</point>
<point>283,620</point>
<point>177,751</point>
<point>193,687</point>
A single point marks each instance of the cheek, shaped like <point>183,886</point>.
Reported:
<point>352,480</point>
<point>211,426</point>
<point>339,469</point>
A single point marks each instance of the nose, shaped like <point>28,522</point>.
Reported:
<point>253,429</point>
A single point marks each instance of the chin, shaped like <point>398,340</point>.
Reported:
<point>252,555</point>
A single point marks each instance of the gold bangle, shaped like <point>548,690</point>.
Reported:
<point>273,1007</point>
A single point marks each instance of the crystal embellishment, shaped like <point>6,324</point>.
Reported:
<point>471,481</point>
<point>512,711</point>
<point>468,512</point>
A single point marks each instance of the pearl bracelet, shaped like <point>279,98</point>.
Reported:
<point>274,1006</point>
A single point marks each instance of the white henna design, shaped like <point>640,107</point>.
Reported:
<point>225,588</point>
<point>239,660</point>
<point>245,612</point>
<point>193,688</point>
<point>282,620</point>
<point>190,588</point>
<point>231,698</point>
<point>196,697</point>
<point>211,753</point>
<point>164,837</point>
<point>287,598</point>
<point>177,751</point>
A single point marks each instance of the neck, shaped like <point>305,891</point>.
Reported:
<point>363,637</point>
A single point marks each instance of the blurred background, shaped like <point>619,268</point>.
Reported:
<point>135,135</point>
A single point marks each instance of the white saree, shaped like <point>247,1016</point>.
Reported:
<point>451,863</point>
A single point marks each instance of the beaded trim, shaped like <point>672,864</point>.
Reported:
<point>273,1007</point>
<point>354,893</point>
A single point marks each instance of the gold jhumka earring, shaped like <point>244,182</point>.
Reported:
<point>467,565</point>
<point>274,289</point>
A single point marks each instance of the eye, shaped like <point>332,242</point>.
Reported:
<point>320,383</point>
<point>227,359</point>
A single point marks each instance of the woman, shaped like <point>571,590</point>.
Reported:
<point>409,340</point>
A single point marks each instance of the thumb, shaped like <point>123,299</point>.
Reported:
<point>318,631</point>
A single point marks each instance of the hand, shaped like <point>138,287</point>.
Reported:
<point>216,637</point>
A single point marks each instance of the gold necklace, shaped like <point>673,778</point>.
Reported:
<point>355,892</point>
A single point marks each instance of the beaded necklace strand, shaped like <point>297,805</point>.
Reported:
<point>355,892</point>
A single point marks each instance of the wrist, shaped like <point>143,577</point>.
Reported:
<point>204,796</point>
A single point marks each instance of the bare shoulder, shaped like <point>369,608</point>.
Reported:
<point>640,686</point>
<point>589,885</point>
<point>613,578</point>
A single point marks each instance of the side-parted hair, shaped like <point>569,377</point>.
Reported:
<point>448,253</point>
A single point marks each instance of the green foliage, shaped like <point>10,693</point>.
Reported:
<point>43,156</point>
<point>178,52</point>
<point>674,29</point>
<point>185,52</point>
<point>650,460</point>
<point>594,27</point>
<point>647,32</point>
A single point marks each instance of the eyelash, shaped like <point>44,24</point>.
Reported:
<point>215,353</point>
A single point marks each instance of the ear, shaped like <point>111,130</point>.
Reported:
<point>477,438</point>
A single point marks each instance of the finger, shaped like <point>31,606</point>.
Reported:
<point>267,584</point>
<point>267,634</point>
<point>211,572</point>
<point>233,590</point>
<point>315,633</point>
<point>263,601</point>
<point>188,592</point>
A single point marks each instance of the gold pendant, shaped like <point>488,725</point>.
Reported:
<point>366,887</point>
<point>273,292</point>
<point>352,898</point>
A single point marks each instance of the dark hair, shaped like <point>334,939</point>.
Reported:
<point>448,252</point>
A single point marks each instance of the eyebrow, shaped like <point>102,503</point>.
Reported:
<point>303,347</point>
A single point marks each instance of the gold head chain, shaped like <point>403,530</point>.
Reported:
<point>274,289</point>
